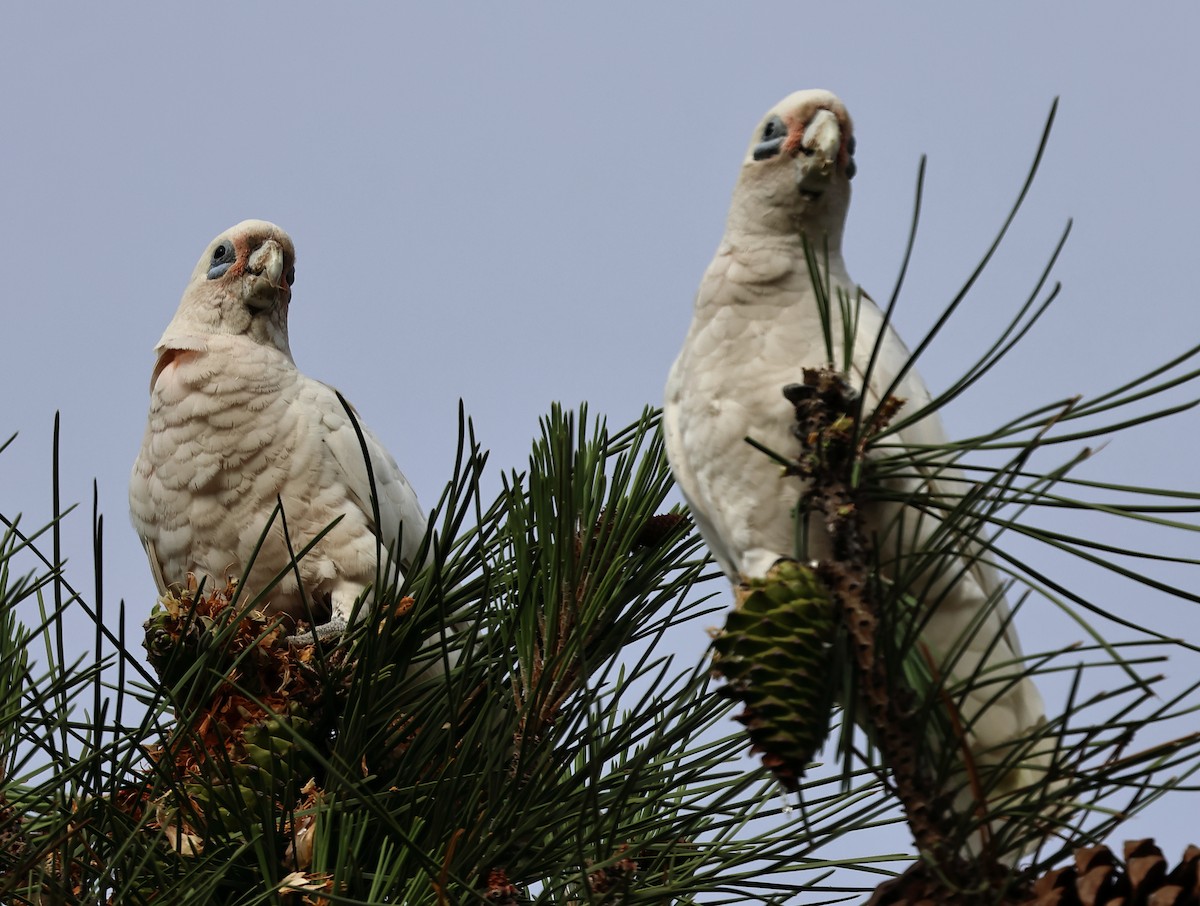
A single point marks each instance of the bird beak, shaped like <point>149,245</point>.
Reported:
<point>824,136</point>
<point>818,153</point>
<point>267,263</point>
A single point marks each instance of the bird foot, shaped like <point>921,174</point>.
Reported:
<point>325,632</point>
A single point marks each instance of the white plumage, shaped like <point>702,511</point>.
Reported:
<point>756,325</point>
<point>234,426</point>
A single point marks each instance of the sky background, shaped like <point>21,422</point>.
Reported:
<point>513,205</point>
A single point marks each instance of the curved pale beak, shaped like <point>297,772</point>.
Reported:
<point>818,156</point>
<point>267,263</point>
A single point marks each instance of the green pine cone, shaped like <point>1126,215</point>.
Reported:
<point>174,644</point>
<point>246,789</point>
<point>776,651</point>
<point>272,744</point>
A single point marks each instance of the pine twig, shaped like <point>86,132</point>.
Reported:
<point>826,407</point>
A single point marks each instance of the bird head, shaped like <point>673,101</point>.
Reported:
<point>241,286</point>
<point>796,176</point>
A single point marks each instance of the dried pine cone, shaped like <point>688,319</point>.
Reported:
<point>252,708</point>
<point>1097,879</point>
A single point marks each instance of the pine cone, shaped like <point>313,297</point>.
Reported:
<point>775,651</point>
<point>253,715</point>
<point>1097,879</point>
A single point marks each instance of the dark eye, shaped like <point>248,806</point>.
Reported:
<point>290,276</point>
<point>773,129</point>
<point>223,257</point>
<point>773,136</point>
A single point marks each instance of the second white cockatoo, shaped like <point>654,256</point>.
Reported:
<point>234,427</point>
<point>756,325</point>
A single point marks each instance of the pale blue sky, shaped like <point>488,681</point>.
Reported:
<point>514,205</point>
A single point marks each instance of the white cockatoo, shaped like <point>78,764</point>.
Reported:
<point>235,427</point>
<point>755,326</point>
